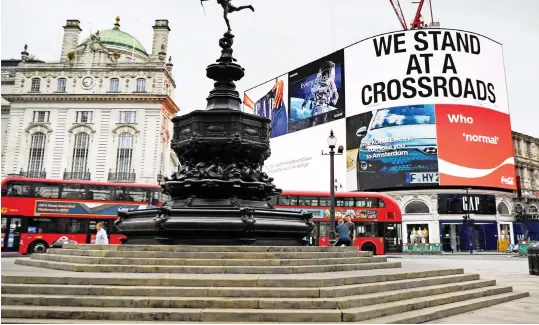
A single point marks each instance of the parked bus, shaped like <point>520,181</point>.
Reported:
<point>377,217</point>
<point>36,212</point>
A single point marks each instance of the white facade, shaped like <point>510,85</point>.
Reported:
<point>527,165</point>
<point>103,112</point>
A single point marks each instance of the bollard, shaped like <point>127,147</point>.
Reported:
<point>533,258</point>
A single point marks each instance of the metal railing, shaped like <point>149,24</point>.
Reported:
<point>77,175</point>
<point>33,174</point>
<point>122,177</point>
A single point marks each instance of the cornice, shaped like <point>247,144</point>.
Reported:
<point>158,66</point>
<point>525,137</point>
<point>19,98</point>
<point>170,106</point>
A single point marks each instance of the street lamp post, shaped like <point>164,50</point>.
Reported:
<point>332,142</point>
<point>469,220</point>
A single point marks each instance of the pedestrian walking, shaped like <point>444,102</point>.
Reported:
<point>344,234</point>
<point>101,236</point>
<point>351,227</point>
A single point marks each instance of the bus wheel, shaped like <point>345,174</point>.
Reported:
<point>38,247</point>
<point>369,247</point>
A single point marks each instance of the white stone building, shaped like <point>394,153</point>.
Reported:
<point>102,112</point>
<point>527,163</point>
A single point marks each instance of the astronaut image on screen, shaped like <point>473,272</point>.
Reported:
<point>323,92</point>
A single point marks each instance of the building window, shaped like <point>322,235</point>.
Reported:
<point>502,208</point>
<point>416,207</point>
<point>84,117</point>
<point>80,153</point>
<point>61,85</point>
<point>128,117</point>
<point>37,152</point>
<point>141,85</point>
<point>114,85</point>
<point>418,233</point>
<point>41,117</point>
<point>36,83</point>
<point>124,155</point>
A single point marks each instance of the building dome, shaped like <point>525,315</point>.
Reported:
<point>118,39</point>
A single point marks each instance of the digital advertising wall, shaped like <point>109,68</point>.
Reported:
<point>417,108</point>
<point>296,160</point>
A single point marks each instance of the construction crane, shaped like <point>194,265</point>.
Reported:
<point>417,23</point>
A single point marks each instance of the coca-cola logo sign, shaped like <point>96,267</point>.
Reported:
<point>507,180</point>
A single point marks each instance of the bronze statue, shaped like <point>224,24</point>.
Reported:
<point>228,8</point>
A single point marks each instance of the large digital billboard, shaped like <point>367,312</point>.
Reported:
<point>270,100</point>
<point>296,160</point>
<point>418,108</point>
<point>427,107</point>
<point>317,92</point>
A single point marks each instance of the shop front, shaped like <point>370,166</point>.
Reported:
<point>455,235</point>
<point>526,225</point>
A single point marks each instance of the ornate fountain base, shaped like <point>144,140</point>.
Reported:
<point>215,223</point>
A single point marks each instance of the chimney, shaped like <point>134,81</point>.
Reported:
<point>160,40</point>
<point>71,38</point>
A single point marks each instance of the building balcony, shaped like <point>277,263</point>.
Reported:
<point>33,174</point>
<point>77,175</point>
<point>122,177</point>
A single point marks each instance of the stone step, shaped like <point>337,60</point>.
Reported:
<point>201,248</point>
<point>469,298</point>
<point>205,269</point>
<point>86,299</point>
<point>276,292</point>
<point>275,281</point>
<point>432,313</point>
<point>205,262</point>
<point>415,303</point>
<point>78,321</point>
<point>357,289</point>
<point>208,255</point>
<point>170,314</point>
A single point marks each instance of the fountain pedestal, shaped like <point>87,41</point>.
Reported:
<point>219,195</point>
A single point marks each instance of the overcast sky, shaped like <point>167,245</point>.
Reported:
<point>280,36</point>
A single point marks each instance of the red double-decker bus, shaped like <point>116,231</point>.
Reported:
<point>377,217</point>
<point>36,212</point>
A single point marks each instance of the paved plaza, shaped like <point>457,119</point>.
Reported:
<point>506,269</point>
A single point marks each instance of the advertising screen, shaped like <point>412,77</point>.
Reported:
<point>270,100</point>
<point>317,92</point>
<point>416,108</point>
<point>427,107</point>
<point>297,163</point>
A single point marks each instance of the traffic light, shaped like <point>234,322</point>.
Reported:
<point>467,221</point>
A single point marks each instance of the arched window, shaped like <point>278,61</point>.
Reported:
<point>124,155</point>
<point>80,155</point>
<point>502,208</point>
<point>37,153</point>
<point>416,207</point>
<point>114,85</point>
<point>36,84</point>
<point>533,209</point>
<point>519,208</point>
